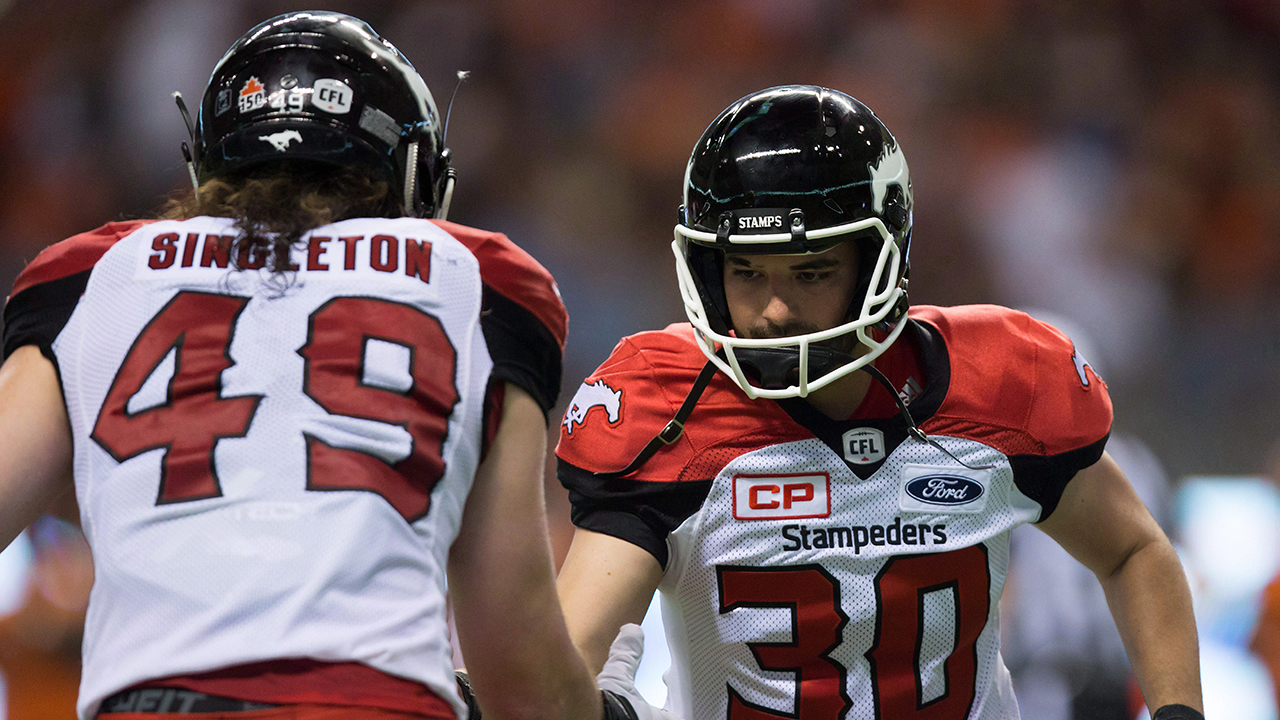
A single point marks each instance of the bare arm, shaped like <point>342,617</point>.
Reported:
<point>1104,525</point>
<point>604,583</point>
<point>35,441</point>
<point>501,579</point>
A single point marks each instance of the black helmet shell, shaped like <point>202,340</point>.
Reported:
<point>325,87</point>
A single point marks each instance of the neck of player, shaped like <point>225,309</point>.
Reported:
<point>841,398</point>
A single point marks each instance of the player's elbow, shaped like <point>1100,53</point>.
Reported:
<point>1149,552</point>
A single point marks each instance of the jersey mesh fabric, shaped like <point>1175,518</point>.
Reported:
<point>742,596</point>
<point>711,649</point>
<point>270,568</point>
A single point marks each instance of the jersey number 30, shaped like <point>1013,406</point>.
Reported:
<point>198,329</point>
<point>930,610</point>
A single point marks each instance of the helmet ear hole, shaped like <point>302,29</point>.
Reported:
<point>707,267</point>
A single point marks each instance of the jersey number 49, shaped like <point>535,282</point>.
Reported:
<point>198,329</point>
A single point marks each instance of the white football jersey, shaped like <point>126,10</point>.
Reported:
<point>269,467</point>
<point>824,569</point>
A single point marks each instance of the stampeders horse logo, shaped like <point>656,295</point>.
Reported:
<point>596,394</point>
<point>280,141</point>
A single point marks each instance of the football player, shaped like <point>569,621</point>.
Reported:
<point>296,408</point>
<point>821,480</point>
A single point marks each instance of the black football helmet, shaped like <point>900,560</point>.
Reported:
<point>795,170</point>
<point>324,87</point>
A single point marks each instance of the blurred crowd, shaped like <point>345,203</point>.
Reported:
<point>1113,162</point>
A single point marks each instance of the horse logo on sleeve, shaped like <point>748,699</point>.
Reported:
<point>591,395</point>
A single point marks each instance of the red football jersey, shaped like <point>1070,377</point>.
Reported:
<point>828,568</point>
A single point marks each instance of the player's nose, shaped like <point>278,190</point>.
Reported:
<point>778,310</point>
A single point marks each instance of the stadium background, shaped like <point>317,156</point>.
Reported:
<point>1113,162</point>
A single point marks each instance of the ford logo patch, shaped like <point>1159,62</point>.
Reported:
<point>944,490</point>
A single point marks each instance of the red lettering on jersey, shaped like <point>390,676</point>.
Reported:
<point>216,251</point>
<point>778,497</point>
<point>251,258</point>
<point>166,247</point>
<point>417,259</point>
<point>350,242</point>
<point>316,248</point>
<point>796,492</point>
<point>334,356</point>
<point>384,253</point>
<point>189,249</point>
<point>756,503</point>
<point>901,626</point>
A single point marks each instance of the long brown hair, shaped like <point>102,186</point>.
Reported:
<point>275,204</point>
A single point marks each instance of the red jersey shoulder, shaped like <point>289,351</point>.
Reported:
<point>73,255</point>
<point>514,273</point>
<point>632,396</point>
<point>1016,382</point>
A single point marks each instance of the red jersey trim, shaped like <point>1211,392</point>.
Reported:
<point>75,254</point>
<point>654,372</point>
<point>514,273</point>
<point>1013,384</point>
<point>303,680</point>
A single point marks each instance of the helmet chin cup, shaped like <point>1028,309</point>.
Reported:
<point>777,368</point>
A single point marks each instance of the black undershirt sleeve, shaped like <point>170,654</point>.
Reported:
<point>641,512</point>
<point>524,351</point>
<point>37,315</point>
<point>1043,478</point>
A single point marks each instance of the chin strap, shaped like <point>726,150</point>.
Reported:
<point>912,429</point>
<point>673,430</point>
<point>446,197</point>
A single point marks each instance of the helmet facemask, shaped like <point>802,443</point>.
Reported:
<point>796,365</point>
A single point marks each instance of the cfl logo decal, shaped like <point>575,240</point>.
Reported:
<point>781,497</point>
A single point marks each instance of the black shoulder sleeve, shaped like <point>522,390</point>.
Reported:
<point>37,315</point>
<point>524,351</point>
<point>641,512</point>
<point>1043,478</point>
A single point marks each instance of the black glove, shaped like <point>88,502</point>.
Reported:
<point>616,707</point>
<point>1177,712</point>
<point>469,697</point>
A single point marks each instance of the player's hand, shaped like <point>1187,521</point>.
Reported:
<point>619,676</point>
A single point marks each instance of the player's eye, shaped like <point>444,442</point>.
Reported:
<point>814,276</point>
